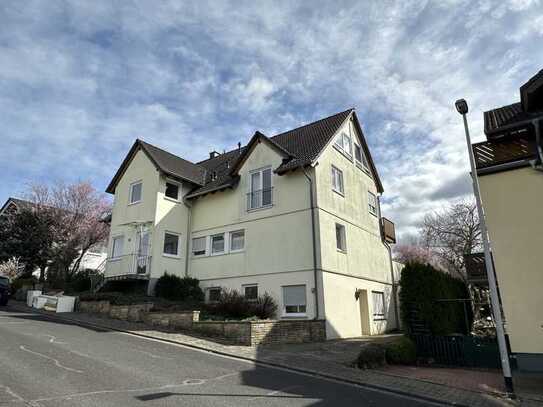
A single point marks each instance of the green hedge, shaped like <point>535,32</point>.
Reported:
<point>421,286</point>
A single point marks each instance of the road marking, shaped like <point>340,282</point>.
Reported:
<point>10,392</point>
<point>275,392</point>
<point>57,363</point>
<point>186,382</point>
<point>53,339</point>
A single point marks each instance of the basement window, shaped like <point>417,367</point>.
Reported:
<point>294,301</point>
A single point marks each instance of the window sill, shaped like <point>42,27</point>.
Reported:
<point>236,251</point>
<point>217,254</point>
<point>134,203</point>
<point>374,214</point>
<point>341,251</point>
<point>300,315</point>
<point>379,319</point>
<point>167,198</point>
<point>115,259</point>
<point>171,256</point>
<point>260,208</point>
<point>339,193</point>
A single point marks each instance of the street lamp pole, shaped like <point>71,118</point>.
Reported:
<point>462,108</point>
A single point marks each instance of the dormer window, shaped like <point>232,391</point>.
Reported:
<point>172,190</point>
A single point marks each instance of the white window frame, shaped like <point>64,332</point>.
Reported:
<point>169,181</point>
<point>206,245</point>
<point>178,244</point>
<point>113,239</point>
<point>259,171</point>
<point>208,293</point>
<point>338,174</point>
<point>343,238</point>
<point>363,162</point>
<point>341,141</point>
<point>293,314</point>
<point>373,208</point>
<point>244,286</point>
<point>225,248</point>
<point>132,185</point>
<point>230,234</point>
<point>378,316</point>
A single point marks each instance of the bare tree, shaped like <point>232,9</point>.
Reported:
<point>451,234</point>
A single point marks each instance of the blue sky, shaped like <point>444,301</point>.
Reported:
<point>79,81</point>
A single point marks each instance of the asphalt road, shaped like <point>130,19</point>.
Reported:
<point>47,362</point>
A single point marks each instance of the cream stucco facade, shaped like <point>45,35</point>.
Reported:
<point>512,202</point>
<point>277,252</point>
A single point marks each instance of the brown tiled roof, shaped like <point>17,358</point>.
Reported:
<point>300,146</point>
<point>492,153</point>
<point>166,162</point>
<point>303,145</point>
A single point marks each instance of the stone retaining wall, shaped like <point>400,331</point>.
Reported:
<point>172,320</point>
<point>248,333</point>
<point>253,333</point>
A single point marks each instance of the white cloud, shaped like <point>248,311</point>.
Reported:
<point>86,79</point>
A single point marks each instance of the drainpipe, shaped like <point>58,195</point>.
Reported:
<point>389,248</point>
<point>538,163</point>
<point>187,242</point>
<point>313,235</point>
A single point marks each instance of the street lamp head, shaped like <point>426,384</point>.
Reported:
<point>461,106</point>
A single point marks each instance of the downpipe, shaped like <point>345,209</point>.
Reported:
<point>392,279</point>
<point>314,238</point>
<point>188,205</point>
<point>537,164</point>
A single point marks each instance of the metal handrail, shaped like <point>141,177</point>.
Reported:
<point>260,198</point>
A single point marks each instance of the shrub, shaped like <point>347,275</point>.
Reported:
<point>79,283</point>
<point>371,356</point>
<point>173,288</point>
<point>264,307</point>
<point>401,352</point>
<point>421,286</point>
<point>233,305</point>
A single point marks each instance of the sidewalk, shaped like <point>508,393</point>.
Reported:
<point>328,359</point>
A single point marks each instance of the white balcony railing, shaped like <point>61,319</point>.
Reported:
<point>128,264</point>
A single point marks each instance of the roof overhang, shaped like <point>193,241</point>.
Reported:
<point>137,146</point>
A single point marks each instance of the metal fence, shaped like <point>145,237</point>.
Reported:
<point>459,350</point>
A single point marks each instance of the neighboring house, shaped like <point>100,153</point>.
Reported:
<point>296,215</point>
<point>93,260</point>
<point>509,166</point>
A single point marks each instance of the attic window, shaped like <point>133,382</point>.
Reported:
<point>172,190</point>
<point>360,158</point>
<point>213,175</point>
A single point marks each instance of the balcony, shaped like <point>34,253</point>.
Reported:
<point>129,265</point>
<point>388,230</point>
<point>262,198</point>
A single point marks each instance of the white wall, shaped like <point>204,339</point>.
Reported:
<point>366,262</point>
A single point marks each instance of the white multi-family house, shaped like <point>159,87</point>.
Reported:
<point>296,215</point>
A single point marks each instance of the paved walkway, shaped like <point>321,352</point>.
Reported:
<point>328,359</point>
